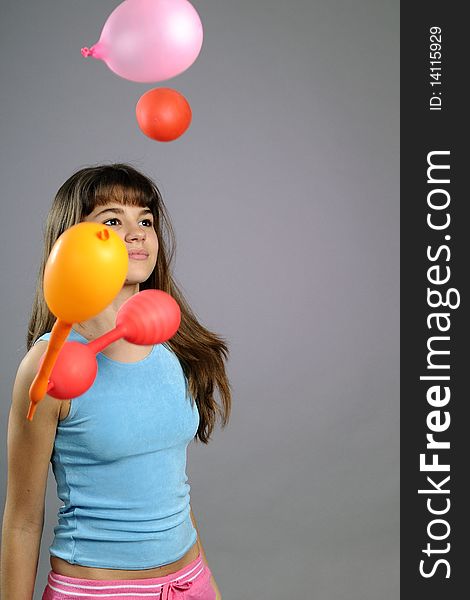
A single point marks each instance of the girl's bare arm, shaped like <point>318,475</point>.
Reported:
<point>30,445</point>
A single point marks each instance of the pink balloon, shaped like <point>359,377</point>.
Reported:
<point>149,40</point>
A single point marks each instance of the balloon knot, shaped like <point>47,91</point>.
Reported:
<point>86,52</point>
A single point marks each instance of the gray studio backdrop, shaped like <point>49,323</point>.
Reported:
<point>284,196</point>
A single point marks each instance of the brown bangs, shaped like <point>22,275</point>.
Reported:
<point>129,196</point>
<point>122,186</point>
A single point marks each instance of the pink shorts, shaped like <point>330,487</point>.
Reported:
<point>189,583</point>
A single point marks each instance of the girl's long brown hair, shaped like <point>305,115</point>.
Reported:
<point>202,353</point>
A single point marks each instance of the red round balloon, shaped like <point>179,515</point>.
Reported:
<point>163,114</point>
<point>74,371</point>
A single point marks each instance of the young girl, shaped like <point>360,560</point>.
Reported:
<point>118,452</point>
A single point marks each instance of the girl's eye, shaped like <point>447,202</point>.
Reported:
<point>111,222</point>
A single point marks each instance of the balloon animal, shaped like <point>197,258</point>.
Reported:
<point>85,270</point>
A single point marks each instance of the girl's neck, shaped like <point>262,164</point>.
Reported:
<point>105,320</point>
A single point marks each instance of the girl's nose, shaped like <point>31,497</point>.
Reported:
<point>135,234</point>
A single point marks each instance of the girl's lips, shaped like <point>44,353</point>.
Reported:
<point>138,255</point>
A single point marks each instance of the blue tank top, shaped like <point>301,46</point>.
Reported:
<point>119,461</point>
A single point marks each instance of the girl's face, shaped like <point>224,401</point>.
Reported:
<point>134,225</point>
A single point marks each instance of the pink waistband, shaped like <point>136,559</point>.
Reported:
<point>139,588</point>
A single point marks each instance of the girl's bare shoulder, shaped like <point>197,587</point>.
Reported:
<point>27,370</point>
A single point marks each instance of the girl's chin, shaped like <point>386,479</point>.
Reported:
<point>135,280</point>
<point>137,277</point>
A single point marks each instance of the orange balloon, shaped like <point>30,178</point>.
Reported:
<point>85,270</point>
<point>163,114</point>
